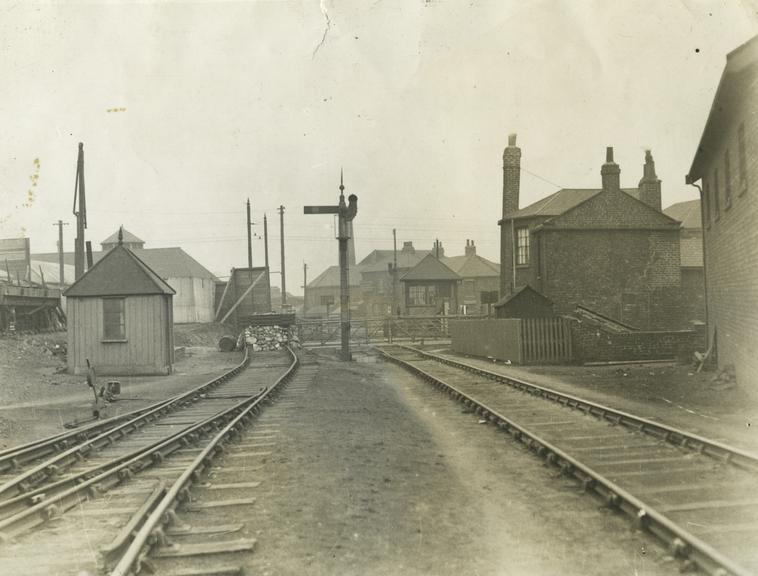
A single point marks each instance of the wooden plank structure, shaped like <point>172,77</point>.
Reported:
<point>545,340</point>
<point>30,308</point>
<point>246,294</point>
<point>120,318</point>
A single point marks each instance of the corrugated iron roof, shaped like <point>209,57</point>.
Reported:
<point>166,262</point>
<point>119,273</point>
<point>127,237</point>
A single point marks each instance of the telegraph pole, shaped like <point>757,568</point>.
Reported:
<point>346,213</point>
<point>394,273</point>
<point>305,287</point>
<point>249,237</point>
<point>60,224</point>
<point>81,215</point>
<point>281,239</point>
<point>265,239</point>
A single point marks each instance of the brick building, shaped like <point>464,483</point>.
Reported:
<point>477,275</point>
<point>690,258</point>
<point>610,249</point>
<point>726,166</point>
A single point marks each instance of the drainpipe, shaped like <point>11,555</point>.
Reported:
<point>705,268</point>
<point>513,256</point>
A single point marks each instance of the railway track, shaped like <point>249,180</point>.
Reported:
<point>698,496</point>
<point>126,471</point>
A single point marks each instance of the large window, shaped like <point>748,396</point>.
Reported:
<point>416,295</point>
<point>742,158</point>
<point>522,246</point>
<point>422,295</point>
<point>706,203</point>
<point>716,199</point>
<point>113,319</point>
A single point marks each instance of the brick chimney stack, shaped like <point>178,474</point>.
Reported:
<point>650,185</point>
<point>470,248</point>
<point>511,176</point>
<point>610,172</point>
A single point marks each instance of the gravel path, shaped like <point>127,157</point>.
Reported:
<point>378,474</point>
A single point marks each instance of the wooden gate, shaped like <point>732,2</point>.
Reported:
<point>545,340</point>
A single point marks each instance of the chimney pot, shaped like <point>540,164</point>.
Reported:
<point>609,154</point>
<point>511,139</point>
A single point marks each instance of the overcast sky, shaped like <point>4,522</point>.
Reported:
<point>186,109</point>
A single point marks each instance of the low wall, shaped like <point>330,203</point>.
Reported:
<point>593,344</point>
<point>497,338</point>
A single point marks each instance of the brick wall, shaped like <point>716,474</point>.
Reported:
<point>593,344</point>
<point>731,243</point>
<point>630,275</point>
<point>693,295</point>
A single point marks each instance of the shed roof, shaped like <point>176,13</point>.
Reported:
<point>119,273</point>
<point>166,262</point>
<point>688,213</point>
<point>525,291</point>
<point>128,237</point>
<point>430,268</point>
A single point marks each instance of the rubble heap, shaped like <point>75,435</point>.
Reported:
<point>266,338</point>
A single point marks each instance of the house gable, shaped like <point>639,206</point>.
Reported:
<point>613,209</point>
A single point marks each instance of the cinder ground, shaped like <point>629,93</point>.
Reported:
<point>37,396</point>
<point>378,474</point>
<point>671,393</point>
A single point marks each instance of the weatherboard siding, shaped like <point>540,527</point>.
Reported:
<point>148,348</point>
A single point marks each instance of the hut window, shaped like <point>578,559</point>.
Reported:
<point>113,319</point>
<point>416,295</point>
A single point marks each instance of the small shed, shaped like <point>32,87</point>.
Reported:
<point>430,288</point>
<point>120,318</point>
<point>525,302</point>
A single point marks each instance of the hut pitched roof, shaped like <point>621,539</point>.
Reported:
<point>119,273</point>
<point>430,268</point>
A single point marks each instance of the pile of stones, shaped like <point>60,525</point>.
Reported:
<point>268,338</point>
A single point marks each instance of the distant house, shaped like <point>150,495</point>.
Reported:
<point>380,287</point>
<point>610,249</point>
<point>194,284</point>
<point>691,258</point>
<point>120,318</point>
<point>430,288</point>
<point>726,165</point>
<point>477,275</point>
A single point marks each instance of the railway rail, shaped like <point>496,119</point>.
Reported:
<point>112,472</point>
<point>695,494</point>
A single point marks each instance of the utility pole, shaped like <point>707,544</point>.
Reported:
<point>346,213</point>
<point>81,215</point>
<point>60,224</point>
<point>249,237</point>
<point>394,273</point>
<point>305,287</point>
<point>265,239</point>
<point>281,239</point>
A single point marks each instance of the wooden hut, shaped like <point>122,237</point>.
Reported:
<point>524,303</point>
<point>120,318</point>
<point>430,288</point>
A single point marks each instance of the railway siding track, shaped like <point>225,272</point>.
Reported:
<point>113,502</point>
<point>696,495</point>
<point>117,462</point>
<point>188,530</point>
<point>49,456</point>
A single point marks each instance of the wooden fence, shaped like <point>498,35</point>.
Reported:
<point>386,329</point>
<point>545,340</point>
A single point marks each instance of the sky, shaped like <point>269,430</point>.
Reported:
<point>186,109</point>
